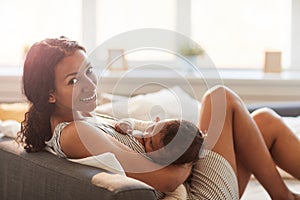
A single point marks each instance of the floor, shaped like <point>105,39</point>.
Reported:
<point>255,191</point>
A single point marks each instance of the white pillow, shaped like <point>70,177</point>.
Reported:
<point>166,103</point>
<point>10,128</point>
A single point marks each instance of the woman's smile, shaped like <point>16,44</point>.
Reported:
<point>92,98</point>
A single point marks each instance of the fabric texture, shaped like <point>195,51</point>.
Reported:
<point>10,128</point>
<point>44,176</point>
<point>166,103</point>
<point>212,178</point>
<point>107,161</point>
<point>54,142</point>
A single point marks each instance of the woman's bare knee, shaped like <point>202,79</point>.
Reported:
<point>218,104</point>
<point>268,122</point>
<point>221,92</point>
<point>265,115</point>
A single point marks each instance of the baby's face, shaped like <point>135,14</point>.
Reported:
<point>153,136</point>
<point>153,141</point>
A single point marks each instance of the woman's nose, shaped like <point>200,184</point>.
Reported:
<point>89,84</point>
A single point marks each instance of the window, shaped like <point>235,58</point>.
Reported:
<point>236,33</point>
<point>25,22</point>
<point>117,16</point>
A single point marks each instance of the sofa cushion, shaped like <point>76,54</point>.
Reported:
<point>42,175</point>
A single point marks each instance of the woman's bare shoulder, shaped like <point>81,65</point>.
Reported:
<point>82,139</point>
<point>72,139</point>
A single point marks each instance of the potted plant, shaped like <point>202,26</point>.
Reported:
<point>191,52</point>
<point>191,49</point>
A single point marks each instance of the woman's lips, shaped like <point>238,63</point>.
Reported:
<point>88,99</point>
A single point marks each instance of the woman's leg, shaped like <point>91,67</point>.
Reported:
<point>234,134</point>
<point>283,145</point>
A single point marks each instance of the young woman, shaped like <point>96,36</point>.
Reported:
<point>60,84</point>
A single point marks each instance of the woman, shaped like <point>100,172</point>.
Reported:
<point>60,84</point>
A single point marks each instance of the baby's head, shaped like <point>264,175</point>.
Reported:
<point>175,141</point>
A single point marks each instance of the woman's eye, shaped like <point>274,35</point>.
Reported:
<point>73,81</point>
<point>89,70</point>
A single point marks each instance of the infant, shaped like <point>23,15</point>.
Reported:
<point>169,141</point>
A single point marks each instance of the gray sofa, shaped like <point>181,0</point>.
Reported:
<point>44,176</point>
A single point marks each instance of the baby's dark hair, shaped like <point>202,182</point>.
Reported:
<point>182,138</point>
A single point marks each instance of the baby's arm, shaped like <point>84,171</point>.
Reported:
<point>141,125</point>
<point>123,126</point>
<point>127,125</point>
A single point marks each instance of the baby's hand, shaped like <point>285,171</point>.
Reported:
<point>124,127</point>
<point>157,119</point>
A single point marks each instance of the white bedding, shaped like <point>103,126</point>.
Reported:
<point>166,103</point>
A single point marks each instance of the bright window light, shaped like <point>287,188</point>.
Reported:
<point>25,22</point>
<point>236,33</point>
<point>118,16</point>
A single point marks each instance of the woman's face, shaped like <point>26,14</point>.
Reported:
<point>75,85</point>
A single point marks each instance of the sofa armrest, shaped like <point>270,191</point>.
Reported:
<point>42,175</point>
<point>285,109</point>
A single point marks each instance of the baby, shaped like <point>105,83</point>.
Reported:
<point>168,141</point>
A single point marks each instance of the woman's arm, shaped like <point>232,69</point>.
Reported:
<point>166,179</point>
<point>80,139</point>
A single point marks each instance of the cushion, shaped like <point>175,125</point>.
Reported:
<point>166,103</point>
<point>9,128</point>
<point>13,111</point>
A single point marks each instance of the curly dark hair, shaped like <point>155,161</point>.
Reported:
<point>38,82</point>
<point>182,137</point>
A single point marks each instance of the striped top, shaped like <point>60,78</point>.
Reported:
<point>128,140</point>
<point>212,178</point>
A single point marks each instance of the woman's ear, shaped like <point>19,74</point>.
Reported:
<point>51,98</point>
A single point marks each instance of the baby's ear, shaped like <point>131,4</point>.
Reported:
<point>51,98</point>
